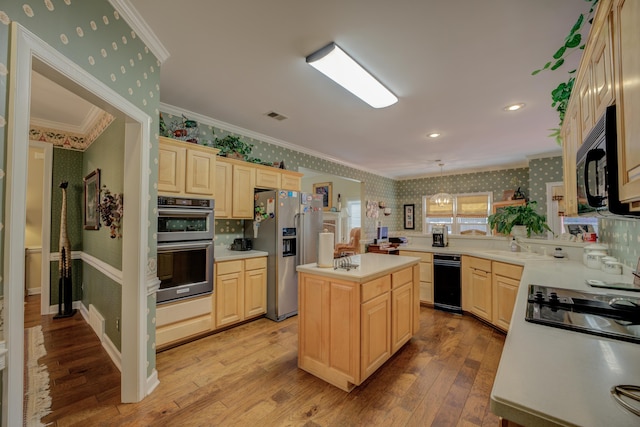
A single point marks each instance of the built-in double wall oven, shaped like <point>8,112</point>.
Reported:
<point>185,247</point>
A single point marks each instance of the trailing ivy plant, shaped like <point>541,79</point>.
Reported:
<point>561,94</point>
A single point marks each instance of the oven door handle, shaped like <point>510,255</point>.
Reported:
<point>184,212</point>
<point>165,247</point>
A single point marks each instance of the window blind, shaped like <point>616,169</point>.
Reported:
<point>472,205</point>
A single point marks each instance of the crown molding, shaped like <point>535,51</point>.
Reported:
<point>176,111</point>
<point>515,165</point>
<point>547,154</point>
<point>141,28</point>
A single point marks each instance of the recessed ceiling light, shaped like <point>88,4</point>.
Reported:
<point>514,107</point>
<point>434,135</point>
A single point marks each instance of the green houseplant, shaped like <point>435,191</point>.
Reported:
<point>233,146</point>
<point>510,216</point>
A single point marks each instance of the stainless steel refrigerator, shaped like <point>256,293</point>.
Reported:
<point>286,225</point>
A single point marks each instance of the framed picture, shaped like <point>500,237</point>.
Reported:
<point>409,215</point>
<point>92,200</point>
<point>324,188</point>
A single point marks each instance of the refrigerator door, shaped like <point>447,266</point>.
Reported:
<point>288,246</point>
<point>311,226</point>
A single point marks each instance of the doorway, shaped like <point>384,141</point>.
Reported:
<point>30,53</point>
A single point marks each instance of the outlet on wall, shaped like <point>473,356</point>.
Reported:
<point>117,323</point>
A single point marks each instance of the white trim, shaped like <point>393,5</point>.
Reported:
<point>55,256</point>
<point>34,250</point>
<point>265,138</point>
<point>34,291</point>
<point>53,309</point>
<point>515,165</point>
<point>91,118</point>
<point>551,215</point>
<point>142,29</point>
<point>152,382</point>
<point>104,268</point>
<point>25,48</point>
<point>153,284</point>
<point>554,153</point>
<point>107,344</point>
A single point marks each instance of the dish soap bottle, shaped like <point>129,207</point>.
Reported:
<point>514,245</point>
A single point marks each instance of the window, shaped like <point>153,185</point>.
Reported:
<point>355,213</point>
<point>467,214</point>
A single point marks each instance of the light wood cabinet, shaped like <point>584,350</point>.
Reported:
<point>235,181</point>
<point>182,320</point>
<point>240,290</point>
<point>291,180</point>
<point>347,330</point>
<point>186,169</point>
<point>602,69</point>
<point>426,274</point>
<point>571,140</point>
<point>268,178</point>
<point>583,88</point>
<point>489,289</point>
<point>505,282</point>
<point>480,287</point>
<point>626,21</point>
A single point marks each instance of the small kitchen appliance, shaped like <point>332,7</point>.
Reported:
<point>440,235</point>
<point>241,244</point>
<point>607,315</point>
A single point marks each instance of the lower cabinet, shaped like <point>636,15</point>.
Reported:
<point>506,280</point>
<point>347,330</point>
<point>240,290</point>
<point>490,289</point>
<point>177,321</point>
<point>426,274</point>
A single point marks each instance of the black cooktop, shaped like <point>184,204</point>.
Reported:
<point>608,315</point>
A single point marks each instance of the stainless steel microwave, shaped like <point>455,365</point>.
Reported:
<point>597,169</point>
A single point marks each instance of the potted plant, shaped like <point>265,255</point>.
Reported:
<point>505,219</point>
<point>232,146</point>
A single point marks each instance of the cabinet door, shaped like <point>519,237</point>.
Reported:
<point>255,292</point>
<point>505,290</point>
<point>268,178</point>
<point>291,182</point>
<point>229,299</point>
<point>602,70</point>
<point>571,140</point>
<point>401,315</point>
<point>223,185</point>
<point>481,294</point>
<point>171,169</point>
<point>200,173</point>
<point>376,333</point>
<point>242,197</point>
<point>627,66</point>
<point>585,98</point>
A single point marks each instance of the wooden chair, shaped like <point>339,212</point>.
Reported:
<point>351,248</point>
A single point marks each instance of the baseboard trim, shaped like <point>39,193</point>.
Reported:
<point>152,382</point>
<point>107,344</point>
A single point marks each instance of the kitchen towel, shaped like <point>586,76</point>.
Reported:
<point>325,250</point>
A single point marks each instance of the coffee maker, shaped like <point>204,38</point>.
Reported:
<point>440,235</point>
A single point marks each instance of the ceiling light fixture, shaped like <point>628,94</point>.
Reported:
<point>434,135</point>
<point>441,198</point>
<point>342,69</point>
<point>514,107</point>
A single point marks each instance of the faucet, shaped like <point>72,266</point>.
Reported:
<point>522,245</point>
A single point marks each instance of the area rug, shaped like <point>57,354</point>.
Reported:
<point>37,401</point>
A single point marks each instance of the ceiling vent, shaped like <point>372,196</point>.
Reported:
<point>276,116</point>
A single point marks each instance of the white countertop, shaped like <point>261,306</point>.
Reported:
<point>370,266</point>
<point>550,376</point>
<point>221,253</point>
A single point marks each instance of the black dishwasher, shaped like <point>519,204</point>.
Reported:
<point>446,282</point>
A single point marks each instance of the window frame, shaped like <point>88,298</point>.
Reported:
<point>453,223</point>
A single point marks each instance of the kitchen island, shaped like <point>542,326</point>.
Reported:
<point>352,321</point>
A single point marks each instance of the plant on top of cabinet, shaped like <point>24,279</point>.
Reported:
<point>509,216</point>
<point>561,94</point>
<point>233,147</point>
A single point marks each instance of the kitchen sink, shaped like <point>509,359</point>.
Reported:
<point>518,255</point>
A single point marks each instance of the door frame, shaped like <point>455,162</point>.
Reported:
<point>28,50</point>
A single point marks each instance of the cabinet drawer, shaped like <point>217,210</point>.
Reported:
<point>255,263</point>
<point>182,310</point>
<point>507,270</point>
<point>424,256</point>
<point>227,267</point>
<point>375,287</point>
<point>480,264</point>
<point>401,277</point>
<point>182,330</point>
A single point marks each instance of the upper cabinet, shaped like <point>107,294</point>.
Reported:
<point>609,73</point>
<point>626,21</point>
<point>186,169</point>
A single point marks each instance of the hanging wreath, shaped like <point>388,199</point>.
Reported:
<point>111,209</point>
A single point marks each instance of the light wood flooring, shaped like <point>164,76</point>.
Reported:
<point>248,376</point>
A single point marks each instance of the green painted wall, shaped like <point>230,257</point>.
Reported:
<point>94,36</point>
<point>107,154</point>
<point>105,295</point>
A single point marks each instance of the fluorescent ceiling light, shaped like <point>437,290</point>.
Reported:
<point>341,68</point>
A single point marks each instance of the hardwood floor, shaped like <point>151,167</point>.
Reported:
<point>249,376</point>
